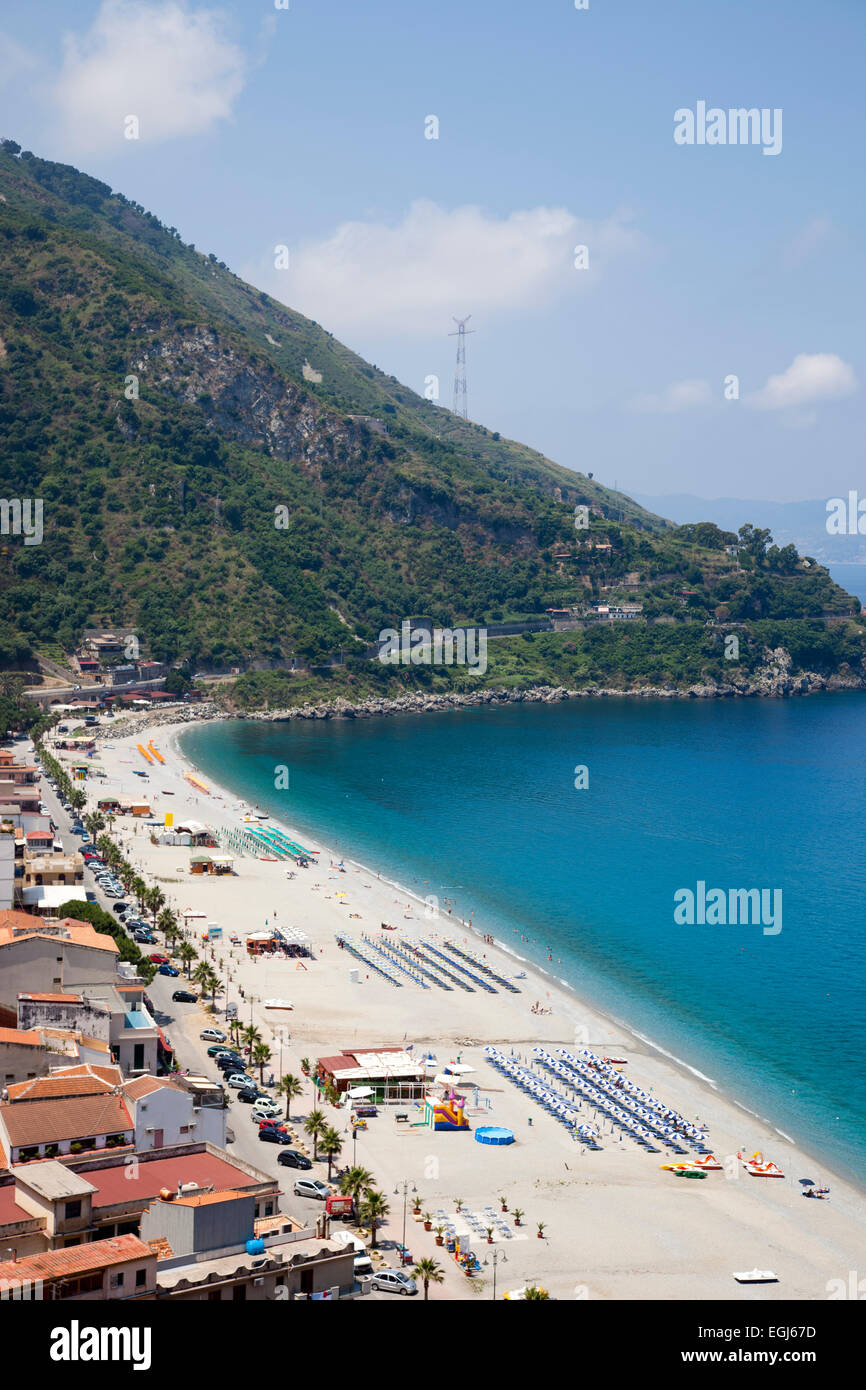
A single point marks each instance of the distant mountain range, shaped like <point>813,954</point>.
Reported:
<point>803,524</point>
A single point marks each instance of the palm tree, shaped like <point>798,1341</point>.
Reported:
<point>261,1054</point>
<point>332,1145</point>
<point>533,1293</point>
<point>291,1087</point>
<point>168,925</point>
<point>428,1271</point>
<point>214,983</point>
<point>314,1124</point>
<point>201,975</point>
<point>187,954</point>
<point>374,1207</point>
<point>355,1180</point>
<point>251,1035</point>
<point>155,900</point>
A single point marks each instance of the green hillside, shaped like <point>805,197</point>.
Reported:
<point>160,507</point>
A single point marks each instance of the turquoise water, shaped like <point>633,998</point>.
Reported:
<point>481,806</point>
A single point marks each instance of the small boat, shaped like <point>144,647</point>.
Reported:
<point>689,1173</point>
<point>756,1276</point>
<point>764,1170</point>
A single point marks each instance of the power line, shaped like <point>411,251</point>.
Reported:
<point>459,404</point>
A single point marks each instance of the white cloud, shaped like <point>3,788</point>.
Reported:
<point>168,65</point>
<point>679,396</point>
<point>411,277</point>
<point>811,377</point>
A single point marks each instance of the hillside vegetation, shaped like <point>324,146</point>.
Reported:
<point>199,489</point>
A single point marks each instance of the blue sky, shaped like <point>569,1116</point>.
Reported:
<point>306,128</point>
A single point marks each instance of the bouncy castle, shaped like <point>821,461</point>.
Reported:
<point>445,1113</point>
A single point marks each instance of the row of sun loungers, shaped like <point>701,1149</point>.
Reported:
<point>367,960</point>
<point>479,965</point>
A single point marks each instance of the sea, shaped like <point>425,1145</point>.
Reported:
<point>568,831</point>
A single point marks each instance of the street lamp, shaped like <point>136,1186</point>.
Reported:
<point>494,1259</point>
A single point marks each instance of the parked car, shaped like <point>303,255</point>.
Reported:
<point>168,970</point>
<point>90,897</point>
<point>237,1080</point>
<point>120,909</point>
<point>312,1187</point>
<point>266,1107</point>
<point>291,1158</point>
<point>212,1035</point>
<point>250,1094</point>
<point>184,996</point>
<point>393,1281</point>
<point>275,1136</point>
<point>158,959</point>
<point>216,1051</point>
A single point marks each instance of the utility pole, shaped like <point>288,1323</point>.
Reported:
<point>459,404</point>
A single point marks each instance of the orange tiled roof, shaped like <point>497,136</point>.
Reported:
<point>145,1085</point>
<point>52,998</point>
<point>76,1259</point>
<point>30,1038</point>
<point>52,1087</point>
<point>206,1199</point>
<point>72,1117</point>
<point>160,1247</point>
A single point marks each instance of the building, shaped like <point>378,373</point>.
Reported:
<point>75,1124</point>
<point>53,956</point>
<point>27,1053</point>
<point>203,1243</point>
<point>120,1268</point>
<point>165,1114</point>
<point>392,1074</point>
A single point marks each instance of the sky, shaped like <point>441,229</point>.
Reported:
<point>421,162</point>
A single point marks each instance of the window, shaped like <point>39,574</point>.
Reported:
<point>117,1281</point>
<point>214,1295</point>
<point>140,1278</point>
<point>239,1293</point>
<point>138,1057</point>
<point>73,1209</point>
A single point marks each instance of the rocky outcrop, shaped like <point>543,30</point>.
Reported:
<point>774,679</point>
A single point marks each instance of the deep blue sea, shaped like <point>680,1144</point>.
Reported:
<point>852,579</point>
<point>753,794</point>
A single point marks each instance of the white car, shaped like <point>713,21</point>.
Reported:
<point>212,1035</point>
<point>266,1109</point>
<point>312,1187</point>
<point>393,1281</point>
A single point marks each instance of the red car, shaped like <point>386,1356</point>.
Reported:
<point>158,959</point>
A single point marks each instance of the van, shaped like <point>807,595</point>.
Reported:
<point>362,1263</point>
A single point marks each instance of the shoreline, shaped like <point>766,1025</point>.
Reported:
<point>615,1221</point>
<point>580,1002</point>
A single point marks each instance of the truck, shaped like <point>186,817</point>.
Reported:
<point>340,1206</point>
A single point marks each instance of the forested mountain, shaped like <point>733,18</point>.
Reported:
<point>220,474</point>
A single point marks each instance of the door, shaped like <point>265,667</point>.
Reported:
<point>158,1138</point>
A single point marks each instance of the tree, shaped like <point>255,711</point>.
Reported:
<point>202,974</point>
<point>374,1208</point>
<point>532,1293</point>
<point>261,1054</point>
<point>291,1087</point>
<point>331,1144</point>
<point>428,1271</point>
<point>314,1125</point>
<point>187,954</point>
<point>355,1181</point>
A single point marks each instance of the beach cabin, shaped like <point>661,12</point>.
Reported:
<point>139,808</point>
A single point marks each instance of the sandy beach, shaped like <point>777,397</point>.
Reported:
<point>616,1225</point>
